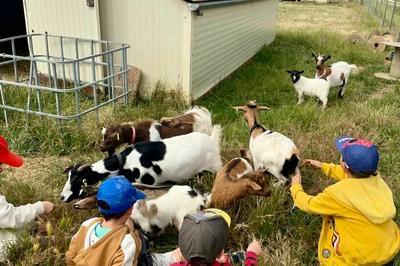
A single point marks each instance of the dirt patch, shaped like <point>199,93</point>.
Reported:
<point>305,16</point>
<point>379,94</point>
<point>34,169</point>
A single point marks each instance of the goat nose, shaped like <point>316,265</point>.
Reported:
<point>62,197</point>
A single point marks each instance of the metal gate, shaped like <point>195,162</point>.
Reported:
<point>67,79</point>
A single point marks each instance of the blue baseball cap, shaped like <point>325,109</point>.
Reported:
<point>360,155</point>
<point>118,194</point>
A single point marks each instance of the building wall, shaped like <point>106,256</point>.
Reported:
<point>226,37</point>
<point>155,29</point>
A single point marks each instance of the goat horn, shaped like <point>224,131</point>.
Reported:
<point>81,167</point>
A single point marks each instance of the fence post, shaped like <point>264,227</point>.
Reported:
<point>391,17</point>
<point>376,6</point>
<point>384,14</point>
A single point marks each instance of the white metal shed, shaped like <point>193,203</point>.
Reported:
<point>191,45</point>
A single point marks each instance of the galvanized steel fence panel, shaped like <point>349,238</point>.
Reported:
<point>61,72</point>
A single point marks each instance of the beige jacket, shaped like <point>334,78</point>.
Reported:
<point>120,246</point>
<point>13,219</point>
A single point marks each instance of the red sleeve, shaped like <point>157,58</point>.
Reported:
<point>251,259</point>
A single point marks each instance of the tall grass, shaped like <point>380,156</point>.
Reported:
<point>370,109</point>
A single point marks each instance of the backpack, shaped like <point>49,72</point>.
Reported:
<point>144,258</point>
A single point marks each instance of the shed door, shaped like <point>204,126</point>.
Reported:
<point>73,18</point>
<point>69,18</point>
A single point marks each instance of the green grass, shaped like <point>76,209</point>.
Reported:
<point>371,109</point>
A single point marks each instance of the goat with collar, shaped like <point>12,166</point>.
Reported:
<point>269,150</point>
<point>337,75</point>
<point>196,119</point>
<point>310,87</point>
<point>175,159</point>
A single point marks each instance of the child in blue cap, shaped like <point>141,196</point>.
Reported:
<point>109,240</point>
<point>357,211</point>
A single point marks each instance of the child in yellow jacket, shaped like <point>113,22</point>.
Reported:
<point>357,211</point>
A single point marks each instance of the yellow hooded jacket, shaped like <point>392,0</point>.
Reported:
<point>357,227</point>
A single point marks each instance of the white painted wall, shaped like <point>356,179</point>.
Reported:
<point>226,37</point>
<point>155,31</point>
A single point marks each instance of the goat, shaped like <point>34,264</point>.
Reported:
<point>196,119</point>
<point>236,180</point>
<point>154,215</point>
<point>175,159</point>
<point>310,87</point>
<point>337,74</point>
<point>269,150</point>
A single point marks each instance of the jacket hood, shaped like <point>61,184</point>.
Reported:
<point>370,196</point>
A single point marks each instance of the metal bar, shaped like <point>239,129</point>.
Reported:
<point>58,108</point>
<point>78,61</point>
<point>384,13</point>
<point>62,59</point>
<point>15,62</point>
<point>125,75</point>
<point>112,78</point>
<point>391,17</point>
<point>194,6</point>
<point>108,72</point>
<point>376,5</point>
<point>68,117</point>
<point>77,97</point>
<point>3,101</point>
<point>94,80</point>
<point>47,56</point>
<point>78,88</point>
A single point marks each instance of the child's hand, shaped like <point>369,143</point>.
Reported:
<point>255,247</point>
<point>315,163</point>
<point>296,179</point>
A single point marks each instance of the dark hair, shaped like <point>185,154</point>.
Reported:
<point>108,217</point>
<point>361,175</point>
<point>199,262</point>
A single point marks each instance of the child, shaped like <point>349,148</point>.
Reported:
<point>357,211</point>
<point>111,240</point>
<point>14,218</point>
<point>202,239</point>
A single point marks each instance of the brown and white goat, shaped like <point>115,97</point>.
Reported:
<point>269,150</point>
<point>196,119</point>
<point>337,74</point>
<point>236,180</point>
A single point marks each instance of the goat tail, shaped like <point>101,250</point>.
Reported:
<point>216,134</point>
<point>354,69</point>
<point>202,121</point>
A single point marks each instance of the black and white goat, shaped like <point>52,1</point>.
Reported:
<point>196,119</point>
<point>310,87</point>
<point>175,159</point>
<point>337,75</point>
<point>269,150</point>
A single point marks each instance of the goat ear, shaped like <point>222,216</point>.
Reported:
<point>328,56</point>
<point>239,108</point>
<point>142,208</point>
<point>254,185</point>
<point>261,108</point>
<point>153,210</point>
<point>313,55</point>
<point>82,168</point>
<point>288,71</point>
<point>301,72</point>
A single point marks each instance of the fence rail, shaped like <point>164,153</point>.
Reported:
<point>54,80</point>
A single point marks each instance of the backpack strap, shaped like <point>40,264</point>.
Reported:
<point>138,244</point>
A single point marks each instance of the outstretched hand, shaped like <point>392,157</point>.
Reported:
<point>315,163</point>
<point>255,247</point>
<point>296,179</point>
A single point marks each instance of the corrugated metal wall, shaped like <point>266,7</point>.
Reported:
<point>155,31</point>
<point>226,37</point>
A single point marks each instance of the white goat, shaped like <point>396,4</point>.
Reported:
<point>310,87</point>
<point>154,215</point>
<point>270,150</point>
<point>337,74</point>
